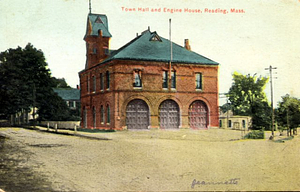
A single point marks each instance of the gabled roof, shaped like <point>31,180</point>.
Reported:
<point>97,22</point>
<point>149,46</point>
<point>68,94</point>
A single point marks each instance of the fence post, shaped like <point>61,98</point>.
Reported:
<point>55,127</point>
<point>48,126</point>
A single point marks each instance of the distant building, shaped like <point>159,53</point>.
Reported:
<point>238,122</point>
<point>71,96</point>
<point>137,87</point>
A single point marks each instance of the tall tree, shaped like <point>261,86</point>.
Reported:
<point>288,113</point>
<point>247,97</point>
<point>26,82</point>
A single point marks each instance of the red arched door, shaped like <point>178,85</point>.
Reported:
<point>169,116</point>
<point>137,114</point>
<point>198,115</point>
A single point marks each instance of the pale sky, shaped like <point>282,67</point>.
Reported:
<point>265,33</point>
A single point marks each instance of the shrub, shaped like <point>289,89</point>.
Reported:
<point>255,134</point>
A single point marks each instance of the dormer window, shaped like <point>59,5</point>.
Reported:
<point>94,50</point>
<point>106,50</point>
<point>98,20</point>
<point>155,37</point>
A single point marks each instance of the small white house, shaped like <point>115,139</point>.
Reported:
<point>229,121</point>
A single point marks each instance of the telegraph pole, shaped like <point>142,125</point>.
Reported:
<point>270,68</point>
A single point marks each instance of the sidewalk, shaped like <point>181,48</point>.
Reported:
<point>210,135</point>
<point>96,136</point>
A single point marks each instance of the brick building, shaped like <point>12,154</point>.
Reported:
<point>137,87</point>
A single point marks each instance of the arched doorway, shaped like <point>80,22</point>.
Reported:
<point>198,115</point>
<point>137,114</point>
<point>169,116</point>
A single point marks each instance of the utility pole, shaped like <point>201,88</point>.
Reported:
<point>270,68</point>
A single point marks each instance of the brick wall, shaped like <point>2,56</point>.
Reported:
<point>121,91</point>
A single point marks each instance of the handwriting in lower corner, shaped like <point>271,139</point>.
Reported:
<point>227,182</point>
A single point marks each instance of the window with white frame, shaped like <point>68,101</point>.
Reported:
<point>101,82</point>
<point>173,79</point>
<point>137,78</point>
<point>94,117</point>
<point>94,84</point>
<point>198,77</point>
<point>107,79</point>
<point>165,80</point>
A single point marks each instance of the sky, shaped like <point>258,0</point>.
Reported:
<point>262,33</point>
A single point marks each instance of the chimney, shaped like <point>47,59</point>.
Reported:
<point>187,44</point>
<point>100,32</point>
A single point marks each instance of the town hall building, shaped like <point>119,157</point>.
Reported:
<point>140,86</point>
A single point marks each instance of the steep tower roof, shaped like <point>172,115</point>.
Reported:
<point>96,22</point>
<point>149,46</point>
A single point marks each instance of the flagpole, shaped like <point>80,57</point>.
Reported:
<point>171,51</point>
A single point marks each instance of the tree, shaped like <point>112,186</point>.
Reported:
<point>26,83</point>
<point>247,97</point>
<point>59,83</point>
<point>288,113</point>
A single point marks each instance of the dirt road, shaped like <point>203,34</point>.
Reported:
<point>156,160</point>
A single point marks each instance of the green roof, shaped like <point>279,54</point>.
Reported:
<point>68,94</point>
<point>98,22</point>
<point>149,46</point>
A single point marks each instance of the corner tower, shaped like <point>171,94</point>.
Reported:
<point>97,38</point>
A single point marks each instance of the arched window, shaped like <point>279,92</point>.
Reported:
<point>107,79</point>
<point>101,82</point>
<point>94,117</point>
<point>88,84</point>
<point>107,114</point>
<point>94,84</point>
<point>102,114</point>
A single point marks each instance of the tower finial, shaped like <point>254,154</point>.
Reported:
<point>90,6</point>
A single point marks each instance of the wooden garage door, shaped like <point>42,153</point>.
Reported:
<point>137,114</point>
<point>198,115</point>
<point>169,115</point>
